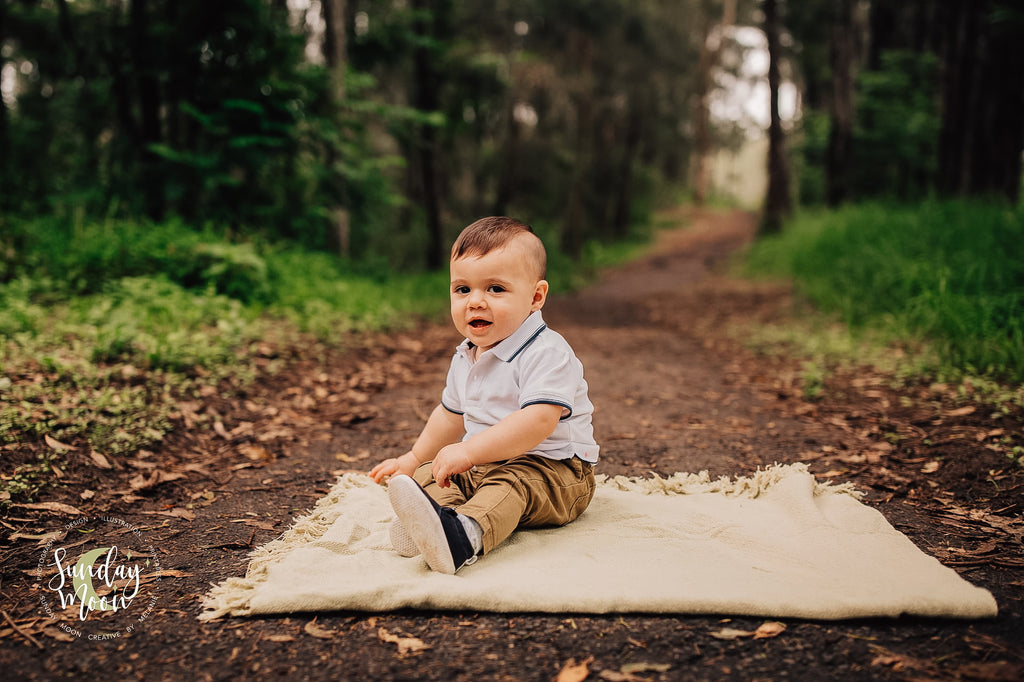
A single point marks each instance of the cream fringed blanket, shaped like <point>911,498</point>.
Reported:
<point>776,544</point>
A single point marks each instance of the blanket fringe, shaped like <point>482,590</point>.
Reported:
<point>231,597</point>
<point>742,486</point>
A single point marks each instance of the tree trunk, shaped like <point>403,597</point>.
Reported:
<point>581,47</point>
<point>842,51</point>
<point>778,202</point>
<point>425,145</point>
<point>701,119</point>
<point>624,197</point>
<point>999,137</point>
<point>959,46</point>
<point>148,90</point>
<point>335,47</point>
<point>982,134</point>
<point>5,132</point>
<point>508,177</point>
<point>710,49</point>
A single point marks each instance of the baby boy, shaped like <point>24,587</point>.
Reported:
<point>511,443</point>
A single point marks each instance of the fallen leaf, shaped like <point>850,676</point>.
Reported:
<point>88,494</point>
<point>170,573</point>
<point>262,525</point>
<point>256,453</point>
<point>155,478</point>
<point>731,633</point>
<point>575,672</point>
<point>618,676</point>
<point>279,638</point>
<point>769,629</point>
<point>894,661</point>
<point>315,630</point>
<point>176,513</point>
<point>406,645</point>
<point>56,444</point>
<point>345,457</point>
<point>58,507</point>
<point>56,633</point>
<point>632,668</point>
<point>42,539</point>
<point>931,467</point>
<point>961,411</point>
<point>100,460</point>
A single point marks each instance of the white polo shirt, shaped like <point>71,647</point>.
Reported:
<point>533,365</point>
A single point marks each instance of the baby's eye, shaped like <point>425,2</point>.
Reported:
<point>463,289</point>
<point>496,289</point>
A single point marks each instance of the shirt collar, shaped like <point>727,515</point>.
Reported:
<point>508,349</point>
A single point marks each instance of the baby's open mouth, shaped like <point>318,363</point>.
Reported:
<point>479,324</point>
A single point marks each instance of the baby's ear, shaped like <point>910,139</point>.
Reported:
<point>540,295</point>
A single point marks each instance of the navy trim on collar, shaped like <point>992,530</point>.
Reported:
<point>528,342</point>
<point>527,333</point>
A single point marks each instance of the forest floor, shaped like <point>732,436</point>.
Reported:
<point>675,391</point>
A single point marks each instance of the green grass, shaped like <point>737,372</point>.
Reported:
<point>106,327</point>
<point>944,277</point>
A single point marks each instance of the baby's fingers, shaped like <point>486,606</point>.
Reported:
<point>385,468</point>
<point>439,475</point>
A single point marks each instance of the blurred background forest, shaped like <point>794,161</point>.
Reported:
<point>377,128</point>
<point>180,176</point>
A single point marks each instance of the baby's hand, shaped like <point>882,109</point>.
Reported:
<point>451,459</point>
<point>406,464</point>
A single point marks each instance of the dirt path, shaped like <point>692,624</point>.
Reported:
<point>674,393</point>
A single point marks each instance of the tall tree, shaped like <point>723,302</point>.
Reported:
<point>5,145</point>
<point>843,59</point>
<point>147,87</point>
<point>778,200</point>
<point>714,33</point>
<point>336,52</point>
<point>427,26</point>
<point>982,136</point>
<point>581,46</point>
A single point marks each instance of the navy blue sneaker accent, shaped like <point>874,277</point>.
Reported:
<point>436,530</point>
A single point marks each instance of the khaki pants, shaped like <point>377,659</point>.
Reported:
<point>527,491</point>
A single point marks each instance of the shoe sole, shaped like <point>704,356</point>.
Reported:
<point>401,541</point>
<point>417,515</point>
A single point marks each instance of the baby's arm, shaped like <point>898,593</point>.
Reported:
<point>517,433</point>
<point>442,428</point>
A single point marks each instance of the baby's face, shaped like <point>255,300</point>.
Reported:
<point>491,295</point>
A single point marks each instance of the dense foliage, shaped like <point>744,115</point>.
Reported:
<point>242,114</point>
<point>903,101</point>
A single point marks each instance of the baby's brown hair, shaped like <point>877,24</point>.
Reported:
<point>497,232</point>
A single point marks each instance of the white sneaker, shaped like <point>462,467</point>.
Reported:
<point>436,531</point>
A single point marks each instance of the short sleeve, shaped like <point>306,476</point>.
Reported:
<point>549,374</point>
